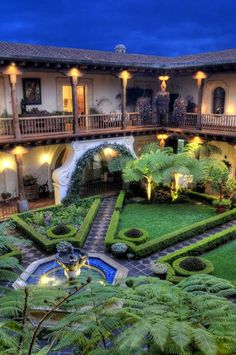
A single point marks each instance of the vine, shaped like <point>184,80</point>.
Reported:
<point>77,177</point>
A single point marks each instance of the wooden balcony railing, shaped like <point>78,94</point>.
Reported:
<point>63,125</point>
<point>207,121</point>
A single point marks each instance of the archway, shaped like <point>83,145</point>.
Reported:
<point>70,177</point>
<point>88,179</point>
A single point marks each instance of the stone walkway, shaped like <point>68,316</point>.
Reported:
<point>95,239</point>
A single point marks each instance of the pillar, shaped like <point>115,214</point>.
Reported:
<point>199,103</point>
<point>75,104</point>
<point>22,203</point>
<point>16,123</point>
<point>123,102</point>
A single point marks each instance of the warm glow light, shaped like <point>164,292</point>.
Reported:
<point>197,140</point>
<point>6,164</point>
<point>125,75</point>
<point>45,158</point>
<point>163,79</point>
<point>199,76</point>
<point>109,153</point>
<point>19,150</point>
<point>162,136</point>
<point>74,73</point>
<point>12,69</point>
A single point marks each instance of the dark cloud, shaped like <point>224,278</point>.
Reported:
<point>158,27</point>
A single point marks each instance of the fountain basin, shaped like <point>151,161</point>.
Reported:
<point>47,271</point>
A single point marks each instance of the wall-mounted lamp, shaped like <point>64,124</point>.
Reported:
<point>12,70</point>
<point>199,76</point>
<point>162,138</point>
<point>163,79</point>
<point>74,74</point>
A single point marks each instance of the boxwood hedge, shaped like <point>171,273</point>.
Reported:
<point>49,245</point>
<point>166,240</point>
<point>179,270</point>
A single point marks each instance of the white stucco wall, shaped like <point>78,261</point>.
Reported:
<point>39,162</point>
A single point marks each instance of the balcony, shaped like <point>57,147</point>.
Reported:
<point>61,127</point>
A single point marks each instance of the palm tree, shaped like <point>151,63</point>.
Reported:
<point>147,167</point>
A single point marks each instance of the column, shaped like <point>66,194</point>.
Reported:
<point>75,104</point>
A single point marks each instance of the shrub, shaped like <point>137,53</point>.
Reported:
<point>62,231</point>
<point>192,264</point>
<point>120,201</point>
<point>158,268</point>
<point>187,266</point>
<point>201,196</point>
<point>49,245</point>
<point>119,249</point>
<point>135,235</point>
<point>223,202</point>
<point>201,246</point>
<point>112,229</point>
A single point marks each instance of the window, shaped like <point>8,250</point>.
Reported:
<point>218,101</point>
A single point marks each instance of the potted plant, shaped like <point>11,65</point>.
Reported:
<point>6,195</point>
<point>159,269</point>
<point>221,205</point>
<point>29,180</point>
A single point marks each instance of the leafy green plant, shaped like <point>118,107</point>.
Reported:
<point>220,203</point>
<point>119,249</point>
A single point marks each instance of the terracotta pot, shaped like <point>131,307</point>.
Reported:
<point>220,209</point>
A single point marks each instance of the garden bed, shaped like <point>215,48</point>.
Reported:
<point>35,224</point>
<point>160,219</point>
<point>177,234</point>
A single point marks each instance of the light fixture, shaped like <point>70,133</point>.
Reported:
<point>163,79</point>
<point>45,158</point>
<point>199,76</point>
<point>162,137</point>
<point>12,70</point>
<point>19,150</point>
<point>125,75</point>
<point>74,73</point>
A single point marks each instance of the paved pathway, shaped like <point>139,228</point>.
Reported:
<point>95,239</point>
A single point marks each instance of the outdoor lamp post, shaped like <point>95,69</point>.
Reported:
<point>22,203</point>
<point>124,76</point>
<point>74,74</point>
<point>199,76</point>
<point>12,71</point>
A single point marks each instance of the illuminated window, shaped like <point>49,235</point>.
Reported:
<point>67,99</point>
<point>218,101</point>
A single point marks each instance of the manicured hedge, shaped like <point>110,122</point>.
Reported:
<point>201,246</point>
<point>13,252</point>
<point>179,270</point>
<point>112,229</point>
<point>169,239</point>
<point>120,201</point>
<point>138,240</point>
<point>71,233</point>
<point>49,246</point>
<point>201,196</point>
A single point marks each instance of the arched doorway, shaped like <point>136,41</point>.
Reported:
<point>96,176</point>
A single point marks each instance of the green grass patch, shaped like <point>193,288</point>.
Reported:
<point>224,260</point>
<point>161,219</point>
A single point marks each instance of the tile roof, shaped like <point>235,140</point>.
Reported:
<point>20,51</point>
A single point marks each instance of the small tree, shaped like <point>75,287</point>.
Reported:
<point>219,177</point>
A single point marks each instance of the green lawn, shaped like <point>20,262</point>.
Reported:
<point>160,219</point>
<point>224,260</point>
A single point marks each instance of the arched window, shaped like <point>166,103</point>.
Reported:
<point>218,100</point>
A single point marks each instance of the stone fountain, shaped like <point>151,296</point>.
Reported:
<point>70,261</point>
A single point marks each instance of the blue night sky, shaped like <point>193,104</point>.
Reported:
<point>159,27</point>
